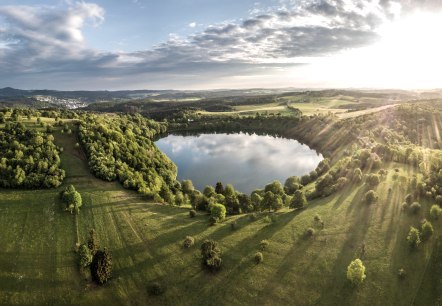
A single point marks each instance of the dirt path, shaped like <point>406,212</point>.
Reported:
<point>365,111</point>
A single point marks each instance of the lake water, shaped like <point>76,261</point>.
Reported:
<point>247,161</point>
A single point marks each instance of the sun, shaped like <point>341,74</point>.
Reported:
<point>408,55</point>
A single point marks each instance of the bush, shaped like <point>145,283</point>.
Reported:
<point>263,245</point>
<point>356,272</point>
<point>341,182</point>
<point>426,231</point>
<point>85,256</point>
<point>317,218</point>
<point>92,242</point>
<point>192,213</point>
<point>211,255</point>
<point>253,217</point>
<point>188,242</point>
<point>310,232</point>
<point>373,180</point>
<point>259,258</point>
<point>415,208</point>
<point>413,238</point>
<point>218,211</point>
<point>370,197</point>
<point>435,212</point>
<point>156,288</point>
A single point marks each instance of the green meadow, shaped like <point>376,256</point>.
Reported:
<point>39,263</point>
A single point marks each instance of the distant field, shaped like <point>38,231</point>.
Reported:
<point>38,264</point>
<point>339,105</point>
<point>365,111</point>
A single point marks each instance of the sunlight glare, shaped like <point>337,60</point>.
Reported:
<point>408,55</point>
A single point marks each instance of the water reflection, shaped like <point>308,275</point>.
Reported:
<point>246,161</point>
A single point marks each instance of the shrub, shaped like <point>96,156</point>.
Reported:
<point>259,258</point>
<point>192,213</point>
<point>341,182</point>
<point>415,208</point>
<point>85,256</point>
<point>413,238</point>
<point>188,242</point>
<point>92,242</point>
<point>373,180</point>
<point>211,255</point>
<point>356,272</point>
<point>310,232</point>
<point>435,212</point>
<point>426,231</point>
<point>156,288</point>
<point>317,218</point>
<point>263,245</point>
<point>218,211</point>
<point>253,217</point>
<point>370,197</point>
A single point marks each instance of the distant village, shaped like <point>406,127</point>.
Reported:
<point>63,102</point>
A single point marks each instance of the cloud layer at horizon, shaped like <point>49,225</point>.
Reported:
<point>44,46</point>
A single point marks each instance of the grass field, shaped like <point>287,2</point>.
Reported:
<point>38,264</point>
<point>339,105</point>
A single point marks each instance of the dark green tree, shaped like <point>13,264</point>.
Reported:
<point>299,200</point>
<point>219,188</point>
<point>211,255</point>
<point>101,266</point>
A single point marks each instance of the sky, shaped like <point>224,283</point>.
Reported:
<point>212,44</point>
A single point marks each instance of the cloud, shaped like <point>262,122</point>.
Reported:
<point>49,42</point>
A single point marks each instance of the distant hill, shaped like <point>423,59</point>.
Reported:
<point>80,98</point>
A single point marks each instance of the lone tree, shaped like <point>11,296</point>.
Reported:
<point>72,199</point>
<point>413,237</point>
<point>101,267</point>
<point>356,272</point>
<point>211,255</point>
<point>218,211</point>
<point>427,230</point>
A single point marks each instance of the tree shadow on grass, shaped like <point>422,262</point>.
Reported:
<point>338,288</point>
<point>239,260</point>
